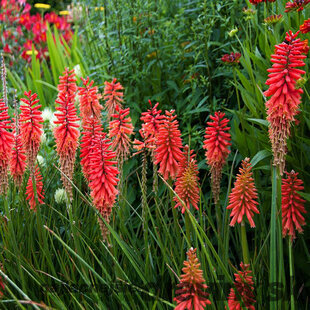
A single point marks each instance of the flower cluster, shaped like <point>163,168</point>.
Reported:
<point>292,205</point>
<point>305,27</point>
<point>168,151</point>
<point>192,294</point>
<point>24,30</point>
<point>66,133</point>
<point>216,144</point>
<point>37,192</point>
<point>186,185</point>
<point>243,197</point>
<point>243,291</point>
<point>296,5</point>
<point>231,59</point>
<point>283,105</point>
<point>113,95</point>
<point>273,19</point>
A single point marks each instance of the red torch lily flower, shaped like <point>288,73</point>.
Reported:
<point>120,130</point>
<point>103,178</point>
<point>242,199</point>
<point>244,287</point>
<point>283,105</point>
<point>186,185</point>
<point>6,143</point>
<point>168,151</point>
<point>39,194</point>
<point>31,124</point>
<point>67,133</point>
<point>89,100</point>
<point>192,294</point>
<point>305,27</point>
<point>18,158</point>
<point>113,95</point>
<point>216,144</point>
<point>296,5</point>
<point>292,205</point>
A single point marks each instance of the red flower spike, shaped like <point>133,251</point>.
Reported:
<point>89,100</point>
<point>67,133</point>
<point>244,287</point>
<point>120,131</point>
<point>31,124</point>
<point>242,199</point>
<point>91,131</point>
<point>114,96</point>
<point>18,159</point>
<point>292,205</point>
<point>39,190</point>
<point>168,151</point>
<point>192,294</point>
<point>255,2</point>
<point>305,27</point>
<point>296,5</point>
<point>103,177</point>
<point>216,144</point>
<point>187,183</point>
<point>283,105</point>
<point>6,143</point>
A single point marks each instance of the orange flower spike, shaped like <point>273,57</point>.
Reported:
<point>66,133</point>
<point>18,158</point>
<point>89,100</point>
<point>242,199</point>
<point>6,144</point>
<point>31,124</point>
<point>283,105</point>
<point>216,144</point>
<point>244,287</point>
<point>120,131</point>
<point>39,190</point>
<point>113,95</point>
<point>147,143</point>
<point>192,294</point>
<point>186,185</point>
<point>292,205</point>
<point>168,151</point>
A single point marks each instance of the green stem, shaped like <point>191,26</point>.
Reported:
<point>244,243</point>
<point>290,245</point>
<point>237,92</point>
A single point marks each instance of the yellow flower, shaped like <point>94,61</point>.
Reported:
<point>99,8</point>
<point>152,55</point>
<point>29,52</point>
<point>42,6</point>
<point>64,13</point>
<point>134,19</point>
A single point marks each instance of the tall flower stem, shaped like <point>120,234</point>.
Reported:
<point>244,244</point>
<point>237,92</point>
<point>290,245</point>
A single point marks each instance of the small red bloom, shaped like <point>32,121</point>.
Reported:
<point>244,287</point>
<point>120,131</point>
<point>242,199</point>
<point>114,96</point>
<point>6,143</point>
<point>67,133</point>
<point>31,124</point>
<point>283,105</point>
<point>168,151</point>
<point>216,144</point>
<point>187,183</point>
<point>232,58</point>
<point>305,27</point>
<point>292,205</point>
<point>296,5</point>
<point>192,294</point>
<point>89,100</point>
<point>39,190</point>
<point>255,2</point>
